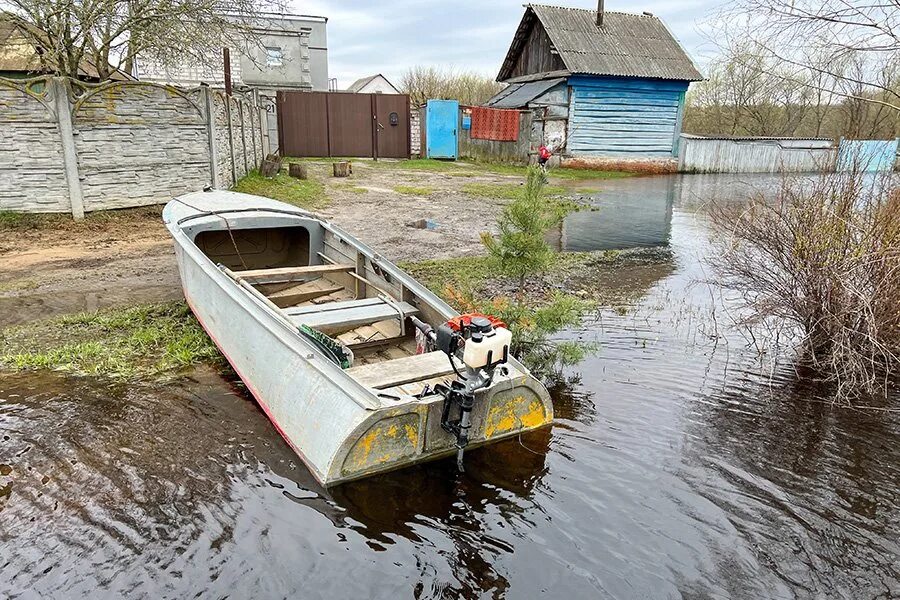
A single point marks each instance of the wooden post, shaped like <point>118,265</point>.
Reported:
<point>298,171</point>
<point>67,137</point>
<point>226,58</point>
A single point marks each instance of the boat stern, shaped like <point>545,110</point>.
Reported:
<point>409,433</point>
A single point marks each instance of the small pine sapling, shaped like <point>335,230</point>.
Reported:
<point>521,249</point>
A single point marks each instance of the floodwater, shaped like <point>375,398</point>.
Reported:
<point>678,466</point>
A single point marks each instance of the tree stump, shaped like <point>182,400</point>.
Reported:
<point>342,169</point>
<point>271,166</point>
<point>297,170</point>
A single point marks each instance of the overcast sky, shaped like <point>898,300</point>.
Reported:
<point>389,36</point>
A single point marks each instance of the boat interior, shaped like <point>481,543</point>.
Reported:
<point>336,290</point>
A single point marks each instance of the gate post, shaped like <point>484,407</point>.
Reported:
<point>67,138</point>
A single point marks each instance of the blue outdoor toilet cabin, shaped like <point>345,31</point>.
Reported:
<point>600,84</point>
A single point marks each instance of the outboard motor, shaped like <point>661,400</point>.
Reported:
<point>482,343</point>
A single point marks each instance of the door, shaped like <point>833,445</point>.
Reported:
<point>392,123</point>
<point>441,117</point>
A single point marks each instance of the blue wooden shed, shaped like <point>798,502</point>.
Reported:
<point>600,83</point>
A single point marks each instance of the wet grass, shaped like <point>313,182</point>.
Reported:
<point>478,271</point>
<point>303,193</point>
<point>413,190</point>
<point>607,277</point>
<point>507,191</point>
<point>153,341</point>
<point>468,167</point>
<point>18,221</point>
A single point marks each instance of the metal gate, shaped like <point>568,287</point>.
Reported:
<point>868,155</point>
<point>343,124</point>
<point>441,117</point>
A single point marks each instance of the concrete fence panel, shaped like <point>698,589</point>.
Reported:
<point>68,146</point>
<point>32,170</point>
<point>146,140</point>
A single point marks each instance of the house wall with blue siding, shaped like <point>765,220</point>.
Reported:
<point>625,117</point>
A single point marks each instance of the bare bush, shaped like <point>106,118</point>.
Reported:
<point>424,83</point>
<point>821,262</point>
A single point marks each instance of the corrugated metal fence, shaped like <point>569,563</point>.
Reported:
<point>868,155</point>
<point>754,155</point>
<point>774,155</point>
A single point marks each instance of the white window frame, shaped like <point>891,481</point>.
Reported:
<point>274,56</point>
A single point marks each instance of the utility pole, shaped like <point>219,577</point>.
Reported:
<point>226,56</point>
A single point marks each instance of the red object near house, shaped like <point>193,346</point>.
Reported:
<point>494,124</point>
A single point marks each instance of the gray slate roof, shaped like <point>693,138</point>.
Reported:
<point>627,45</point>
<point>517,95</point>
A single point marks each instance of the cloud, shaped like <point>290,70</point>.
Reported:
<point>389,36</point>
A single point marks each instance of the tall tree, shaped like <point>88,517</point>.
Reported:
<point>113,33</point>
<point>865,32</point>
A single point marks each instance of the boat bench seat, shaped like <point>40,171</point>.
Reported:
<point>289,274</point>
<point>335,317</point>
<point>391,373</point>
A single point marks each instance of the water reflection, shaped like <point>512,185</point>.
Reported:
<point>775,457</point>
<point>678,466</point>
<point>622,215</point>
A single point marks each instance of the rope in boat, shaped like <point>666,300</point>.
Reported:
<point>227,226</point>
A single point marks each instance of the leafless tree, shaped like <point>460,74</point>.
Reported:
<point>423,83</point>
<point>866,32</point>
<point>110,34</point>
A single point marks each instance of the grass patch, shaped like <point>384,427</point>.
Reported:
<point>469,168</point>
<point>557,173</point>
<point>304,193</point>
<point>19,285</point>
<point>478,271</point>
<point>18,221</point>
<point>507,191</point>
<point>413,190</point>
<point>350,188</point>
<point>152,341</point>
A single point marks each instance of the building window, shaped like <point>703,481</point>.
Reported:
<point>274,57</point>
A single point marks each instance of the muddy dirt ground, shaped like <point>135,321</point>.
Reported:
<point>70,267</point>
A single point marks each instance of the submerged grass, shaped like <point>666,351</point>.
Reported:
<point>304,193</point>
<point>152,341</point>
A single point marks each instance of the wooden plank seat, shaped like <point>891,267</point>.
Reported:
<point>287,274</point>
<point>335,317</point>
<point>391,373</point>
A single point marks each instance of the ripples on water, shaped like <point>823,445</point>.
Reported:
<point>677,467</point>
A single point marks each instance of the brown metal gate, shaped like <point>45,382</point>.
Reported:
<point>343,124</point>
